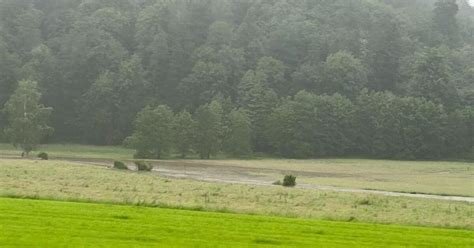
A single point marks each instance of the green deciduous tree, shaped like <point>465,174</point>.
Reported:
<point>385,49</point>
<point>209,129</point>
<point>153,132</point>
<point>206,81</point>
<point>343,74</point>
<point>107,109</point>
<point>27,118</point>
<point>153,46</point>
<point>431,78</point>
<point>311,125</point>
<point>99,62</point>
<point>468,120</point>
<point>9,73</point>
<point>184,132</point>
<point>21,25</point>
<point>215,72</point>
<point>274,71</point>
<point>238,139</point>
<point>400,127</point>
<point>220,34</point>
<point>460,131</point>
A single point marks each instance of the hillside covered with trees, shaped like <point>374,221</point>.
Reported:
<point>292,78</point>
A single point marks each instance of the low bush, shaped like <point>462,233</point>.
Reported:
<point>143,166</point>
<point>43,155</point>
<point>289,181</point>
<point>120,165</point>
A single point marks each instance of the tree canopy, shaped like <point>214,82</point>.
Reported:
<point>387,78</point>
<point>27,118</point>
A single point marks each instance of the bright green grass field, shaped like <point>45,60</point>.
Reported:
<point>35,223</point>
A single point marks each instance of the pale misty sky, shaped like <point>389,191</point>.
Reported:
<point>471,2</point>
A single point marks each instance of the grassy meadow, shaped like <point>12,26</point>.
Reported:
<point>429,177</point>
<point>37,223</point>
<point>73,151</point>
<point>64,203</point>
<point>61,180</point>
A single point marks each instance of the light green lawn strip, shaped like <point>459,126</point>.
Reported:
<point>41,223</point>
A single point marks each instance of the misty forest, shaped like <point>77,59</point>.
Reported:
<point>288,78</point>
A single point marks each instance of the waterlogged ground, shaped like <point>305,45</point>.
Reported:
<point>85,182</point>
<point>36,223</point>
<point>429,177</point>
<point>431,180</point>
<point>434,178</point>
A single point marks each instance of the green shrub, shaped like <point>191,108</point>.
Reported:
<point>43,155</point>
<point>143,166</point>
<point>289,181</point>
<point>277,182</point>
<point>120,165</point>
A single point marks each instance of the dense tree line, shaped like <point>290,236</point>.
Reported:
<point>312,78</point>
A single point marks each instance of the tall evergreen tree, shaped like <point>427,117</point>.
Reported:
<point>445,22</point>
<point>258,100</point>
